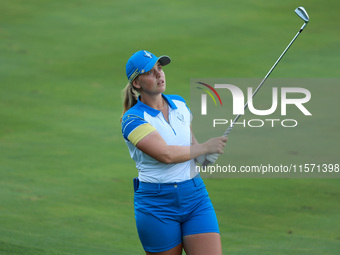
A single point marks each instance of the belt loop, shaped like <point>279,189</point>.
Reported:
<point>159,187</point>
<point>193,179</point>
<point>135,184</point>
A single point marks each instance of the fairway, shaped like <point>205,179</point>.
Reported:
<point>65,170</point>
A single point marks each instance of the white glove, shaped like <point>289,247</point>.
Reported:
<point>200,159</point>
<point>212,157</point>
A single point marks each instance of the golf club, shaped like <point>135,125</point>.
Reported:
<point>301,12</point>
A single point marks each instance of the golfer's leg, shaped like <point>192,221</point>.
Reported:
<point>174,251</point>
<point>203,244</point>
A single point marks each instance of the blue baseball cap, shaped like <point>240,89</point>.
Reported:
<point>143,61</point>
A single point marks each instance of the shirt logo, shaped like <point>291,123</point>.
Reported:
<point>180,117</point>
<point>147,54</point>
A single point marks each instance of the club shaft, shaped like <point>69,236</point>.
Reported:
<point>265,78</point>
<point>226,133</point>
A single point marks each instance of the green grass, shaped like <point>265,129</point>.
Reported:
<point>65,172</point>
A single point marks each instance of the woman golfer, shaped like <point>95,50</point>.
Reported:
<point>172,207</point>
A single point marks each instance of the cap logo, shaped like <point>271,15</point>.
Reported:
<point>147,54</point>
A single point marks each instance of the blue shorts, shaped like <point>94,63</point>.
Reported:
<point>168,211</point>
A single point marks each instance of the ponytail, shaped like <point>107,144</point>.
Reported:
<point>131,95</point>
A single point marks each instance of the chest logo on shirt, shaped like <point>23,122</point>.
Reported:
<point>180,117</point>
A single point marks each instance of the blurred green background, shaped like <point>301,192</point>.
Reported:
<point>65,171</point>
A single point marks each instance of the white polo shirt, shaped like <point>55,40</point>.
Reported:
<point>141,120</point>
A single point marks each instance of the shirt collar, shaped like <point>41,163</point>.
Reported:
<point>153,112</point>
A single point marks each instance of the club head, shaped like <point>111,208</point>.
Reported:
<point>302,13</point>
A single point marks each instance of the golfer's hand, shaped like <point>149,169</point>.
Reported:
<point>215,145</point>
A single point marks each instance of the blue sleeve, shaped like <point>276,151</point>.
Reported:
<point>135,128</point>
<point>129,123</point>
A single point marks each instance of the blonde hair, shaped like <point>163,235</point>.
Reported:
<point>130,95</point>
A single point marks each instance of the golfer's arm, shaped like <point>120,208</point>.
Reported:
<point>193,139</point>
<point>154,145</point>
